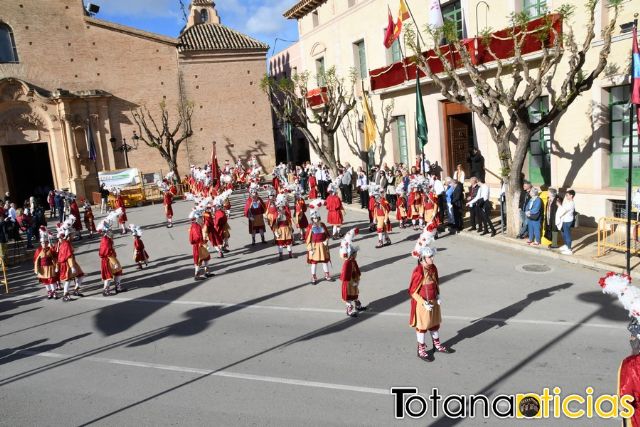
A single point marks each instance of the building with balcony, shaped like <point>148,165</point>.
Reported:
<point>585,149</point>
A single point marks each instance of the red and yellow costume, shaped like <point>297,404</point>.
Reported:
<point>424,287</point>
<point>67,261</point>
<point>110,267</point>
<point>120,204</point>
<point>254,211</point>
<point>629,384</point>
<point>313,188</point>
<point>381,217</point>
<point>199,247</point>
<point>416,205</point>
<point>335,210</point>
<point>350,277</point>
<point>317,250</point>
<point>281,224</point>
<point>301,218</point>
<point>44,265</point>
<point>75,211</point>
<point>167,201</point>
<point>401,209</point>
<point>431,208</point>
<point>139,253</point>
<point>89,219</point>
<point>220,228</point>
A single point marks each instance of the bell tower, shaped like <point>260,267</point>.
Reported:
<point>202,12</point>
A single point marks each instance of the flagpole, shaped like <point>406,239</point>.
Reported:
<point>630,166</point>
<point>406,2</point>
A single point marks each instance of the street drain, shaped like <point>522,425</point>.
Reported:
<point>534,268</point>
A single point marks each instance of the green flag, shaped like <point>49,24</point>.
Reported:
<point>421,120</point>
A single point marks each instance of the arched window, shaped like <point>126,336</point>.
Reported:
<point>8,51</point>
<point>204,16</point>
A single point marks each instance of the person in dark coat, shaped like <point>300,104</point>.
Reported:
<point>550,228</point>
<point>457,204</point>
<point>477,164</point>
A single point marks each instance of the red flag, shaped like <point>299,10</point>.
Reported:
<point>215,169</point>
<point>389,34</point>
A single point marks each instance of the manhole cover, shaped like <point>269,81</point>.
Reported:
<point>534,268</point>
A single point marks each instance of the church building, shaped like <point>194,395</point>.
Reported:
<point>69,82</point>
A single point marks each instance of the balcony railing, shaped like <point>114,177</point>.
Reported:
<point>501,43</point>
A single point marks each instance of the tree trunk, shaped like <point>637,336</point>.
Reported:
<point>515,180</point>
<point>328,154</point>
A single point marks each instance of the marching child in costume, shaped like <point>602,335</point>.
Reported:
<point>301,220</point>
<point>110,267</point>
<point>44,264</point>
<point>140,255</point>
<point>122,218</point>
<point>416,204</point>
<point>282,226</point>
<point>350,275</point>
<point>220,224</point>
<point>254,209</point>
<point>75,211</point>
<point>317,240</point>
<point>335,210</point>
<point>67,265</point>
<point>199,246</point>
<point>424,291</point>
<point>401,206</point>
<point>381,218</point>
<point>89,219</point>
<point>167,201</point>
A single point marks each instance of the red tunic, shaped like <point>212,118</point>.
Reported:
<point>196,240</point>
<point>105,252</point>
<point>415,200</point>
<point>120,204</point>
<point>254,211</point>
<point>89,219</point>
<point>44,260</point>
<point>167,201</point>
<point>75,211</point>
<point>301,217</point>
<point>65,253</point>
<point>428,292</point>
<point>219,224</point>
<point>401,212</point>
<point>629,384</point>
<point>371,206</point>
<point>313,190</point>
<point>139,253</point>
<point>350,271</point>
<point>334,208</point>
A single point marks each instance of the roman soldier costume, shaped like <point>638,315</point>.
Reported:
<point>401,206</point>
<point>280,222</point>
<point>301,220</point>
<point>167,201</point>
<point>254,210</point>
<point>317,240</point>
<point>75,211</point>
<point>416,205</point>
<point>122,218</point>
<point>44,264</point>
<point>67,266</point>
<point>110,267</point>
<point>89,219</point>
<point>140,255</point>
<point>381,218</point>
<point>350,275</point>
<point>335,215</point>
<point>198,244</point>
<point>313,185</point>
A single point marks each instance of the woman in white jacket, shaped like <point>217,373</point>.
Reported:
<point>564,219</point>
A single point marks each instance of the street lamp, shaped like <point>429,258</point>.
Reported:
<point>125,148</point>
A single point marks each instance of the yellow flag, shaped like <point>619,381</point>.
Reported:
<point>369,125</point>
<point>403,13</point>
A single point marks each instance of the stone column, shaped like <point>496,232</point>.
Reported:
<point>108,158</point>
<point>76,182</point>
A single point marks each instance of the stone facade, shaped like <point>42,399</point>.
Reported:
<point>76,74</point>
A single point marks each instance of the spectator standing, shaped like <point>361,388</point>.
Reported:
<point>477,164</point>
<point>59,201</point>
<point>25,223</point>
<point>550,228</point>
<point>534,215</point>
<point>345,186</point>
<point>438,189</point>
<point>303,177</point>
<point>52,204</point>
<point>391,190</point>
<point>447,194</point>
<point>457,204</point>
<point>458,174</point>
<point>565,217</point>
<point>483,206</point>
<point>362,184</point>
<point>522,204</point>
<point>104,198</point>
<point>473,211</point>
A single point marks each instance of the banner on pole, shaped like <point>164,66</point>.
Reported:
<point>119,178</point>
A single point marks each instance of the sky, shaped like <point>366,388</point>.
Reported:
<point>260,19</point>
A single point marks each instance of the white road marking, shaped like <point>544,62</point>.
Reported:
<point>226,374</point>
<point>330,310</point>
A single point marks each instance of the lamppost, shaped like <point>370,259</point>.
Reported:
<point>125,148</point>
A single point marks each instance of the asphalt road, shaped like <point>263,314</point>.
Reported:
<point>258,345</point>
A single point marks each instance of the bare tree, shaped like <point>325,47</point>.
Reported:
<point>501,98</point>
<point>289,100</point>
<point>158,133</point>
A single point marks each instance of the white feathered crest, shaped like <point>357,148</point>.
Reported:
<point>281,200</point>
<point>423,247</point>
<point>347,248</point>
<point>219,200</point>
<point>419,182</point>
<point>107,222</point>
<point>620,286</point>
<point>135,230</point>
<point>66,228</point>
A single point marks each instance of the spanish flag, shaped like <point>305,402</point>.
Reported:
<point>393,30</point>
<point>403,13</point>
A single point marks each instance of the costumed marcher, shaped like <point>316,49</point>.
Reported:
<point>44,264</point>
<point>282,225</point>
<point>89,219</point>
<point>431,210</point>
<point>381,218</point>
<point>201,254</point>
<point>167,201</point>
<point>373,190</point>
<point>424,291</point>
<point>313,184</point>
<point>75,211</point>
<point>68,267</point>
<point>110,267</point>
<point>401,206</point>
<point>317,240</point>
<point>254,209</point>
<point>629,371</point>
<point>350,274</point>
<point>140,255</point>
<point>335,215</point>
<point>122,218</point>
<point>218,234</point>
<point>301,220</point>
<point>416,203</point>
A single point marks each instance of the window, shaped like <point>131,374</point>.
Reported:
<point>320,71</point>
<point>314,16</point>
<point>394,53</point>
<point>401,136</point>
<point>204,16</point>
<point>619,134</point>
<point>360,59</point>
<point>540,146</point>
<point>453,12</point>
<point>8,51</point>
<point>534,8</point>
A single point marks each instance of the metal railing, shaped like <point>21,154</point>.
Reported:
<point>612,235</point>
